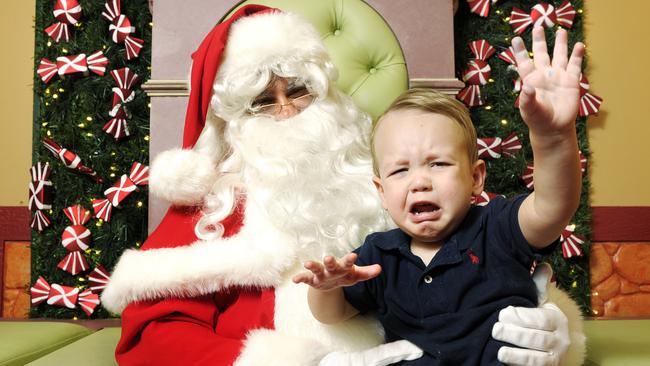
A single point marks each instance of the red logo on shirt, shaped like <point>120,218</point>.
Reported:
<point>473,257</point>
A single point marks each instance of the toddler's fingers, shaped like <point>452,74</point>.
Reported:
<point>367,272</point>
<point>315,267</point>
<point>304,277</point>
<point>330,263</point>
<point>349,259</point>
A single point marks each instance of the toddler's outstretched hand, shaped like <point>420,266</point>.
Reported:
<point>549,99</point>
<point>334,273</point>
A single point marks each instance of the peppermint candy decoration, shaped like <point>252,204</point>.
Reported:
<point>63,296</point>
<point>527,176</point>
<point>98,279</point>
<point>589,103</point>
<point>571,243</point>
<point>138,176</point>
<point>480,7</point>
<point>494,147</point>
<point>40,221</point>
<point>476,73</point>
<point>76,238</point>
<point>484,198</point>
<point>122,94</point>
<point>70,159</point>
<point>67,12</point>
<point>121,29</point>
<point>40,195</point>
<point>542,14</point>
<point>65,65</point>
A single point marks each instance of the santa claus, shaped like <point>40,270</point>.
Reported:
<point>275,170</point>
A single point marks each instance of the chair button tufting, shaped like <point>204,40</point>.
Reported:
<point>372,70</point>
<point>337,32</point>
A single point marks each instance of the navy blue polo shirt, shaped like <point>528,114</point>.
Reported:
<point>448,307</point>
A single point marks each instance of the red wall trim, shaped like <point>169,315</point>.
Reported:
<point>14,226</point>
<point>623,223</point>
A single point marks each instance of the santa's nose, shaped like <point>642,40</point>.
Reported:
<point>287,109</point>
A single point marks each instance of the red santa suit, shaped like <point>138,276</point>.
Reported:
<point>192,296</point>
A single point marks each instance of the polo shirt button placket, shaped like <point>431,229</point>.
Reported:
<point>428,279</point>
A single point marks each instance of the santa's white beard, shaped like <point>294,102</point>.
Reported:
<point>312,174</point>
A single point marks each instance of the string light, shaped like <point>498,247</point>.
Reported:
<point>65,50</point>
<point>89,134</point>
<point>498,11</point>
<point>488,107</point>
<point>81,279</point>
<point>490,80</point>
<point>81,125</point>
<point>49,43</point>
<point>47,91</point>
<point>99,223</point>
<point>113,153</point>
<point>149,105</point>
<point>506,19</point>
<point>44,124</point>
<point>112,175</point>
<point>146,138</point>
<point>113,168</point>
<point>55,96</point>
<point>574,284</point>
<point>504,122</point>
<point>49,134</point>
<point>61,90</point>
<point>89,118</point>
<point>140,204</point>
<point>579,11</point>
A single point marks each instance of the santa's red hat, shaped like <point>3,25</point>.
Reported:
<point>254,40</point>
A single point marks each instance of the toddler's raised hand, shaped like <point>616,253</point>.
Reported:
<point>334,273</point>
<point>550,93</point>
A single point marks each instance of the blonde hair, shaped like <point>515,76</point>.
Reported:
<point>431,101</point>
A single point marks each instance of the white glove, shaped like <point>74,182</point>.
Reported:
<point>382,355</point>
<point>542,332</point>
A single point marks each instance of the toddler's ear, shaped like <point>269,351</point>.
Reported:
<point>479,173</point>
<point>380,189</point>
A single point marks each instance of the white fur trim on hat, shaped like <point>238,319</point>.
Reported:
<point>182,177</point>
<point>268,39</point>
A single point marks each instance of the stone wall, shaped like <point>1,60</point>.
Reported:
<point>620,279</point>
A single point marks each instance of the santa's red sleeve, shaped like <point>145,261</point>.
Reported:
<point>207,330</point>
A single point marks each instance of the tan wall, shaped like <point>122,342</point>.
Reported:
<point>616,38</point>
<point>620,166</point>
<point>17,44</point>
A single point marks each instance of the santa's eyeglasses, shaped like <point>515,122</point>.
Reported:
<point>299,97</point>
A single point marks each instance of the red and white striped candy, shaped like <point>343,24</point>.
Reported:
<point>133,45</point>
<point>543,15</point>
<point>71,64</point>
<point>77,214</point>
<point>97,63</point>
<point>489,147</point>
<point>139,174</point>
<point>88,301</point>
<point>481,49</point>
<point>120,190</point>
<point>73,263</point>
<point>125,78</point>
<point>68,11</point>
<point>589,103</point>
<point>508,56</point>
<point>40,195</point>
<point>511,145</point>
<point>480,7</point>
<point>484,198</point>
<point>46,70</point>
<point>40,171</point>
<point>63,296</point>
<point>120,97</point>
<point>571,243</point>
<point>519,20</point>
<point>477,72</point>
<point>58,31</point>
<point>111,10</point>
<point>102,208</point>
<point>117,126</point>
<point>40,221</point>
<point>75,238</point>
<point>98,279</point>
<point>40,291</point>
<point>470,95</point>
<point>565,14</point>
<point>120,28</point>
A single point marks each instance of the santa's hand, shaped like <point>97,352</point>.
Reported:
<point>332,274</point>
<point>382,355</point>
<point>542,332</point>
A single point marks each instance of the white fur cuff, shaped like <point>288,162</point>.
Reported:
<point>182,177</point>
<point>271,348</point>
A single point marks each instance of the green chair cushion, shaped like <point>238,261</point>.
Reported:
<point>98,349</point>
<point>21,342</point>
<point>618,342</point>
<point>365,50</point>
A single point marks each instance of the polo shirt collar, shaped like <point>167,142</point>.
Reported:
<point>463,239</point>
